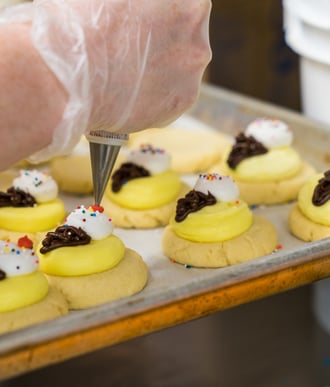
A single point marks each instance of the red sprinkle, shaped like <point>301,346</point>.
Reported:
<point>97,208</point>
<point>25,242</point>
<point>279,247</point>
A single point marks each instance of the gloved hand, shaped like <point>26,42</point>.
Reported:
<point>126,65</point>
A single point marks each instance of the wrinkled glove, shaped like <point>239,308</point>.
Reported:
<point>126,65</point>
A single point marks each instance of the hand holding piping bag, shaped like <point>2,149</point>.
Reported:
<point>125,65</point>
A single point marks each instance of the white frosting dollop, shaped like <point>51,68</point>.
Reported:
<point>92,220</point>
<point>155,160</point>
<point>38,184</point>
<point>223,188</point>
<point>271,133</point>
<point>16,260</point>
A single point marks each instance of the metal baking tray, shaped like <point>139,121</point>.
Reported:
<point>171,283</point>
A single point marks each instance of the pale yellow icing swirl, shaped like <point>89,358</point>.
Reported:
<point>20,291</point>
<point>216,223</point>
<point>42,217</point>
<point>97,256</point>
<point>147,192</point>
<point>277,164</point>
<point>226,219</point>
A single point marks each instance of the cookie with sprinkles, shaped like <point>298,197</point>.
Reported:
<point>84,253</point>
<point>213,227</point>
<point>30,205</point>
<point>143,191</point>
<point>264,163</point>
<point>25,295</point>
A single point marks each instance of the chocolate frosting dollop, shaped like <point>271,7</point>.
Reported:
<point>322,190</point>
<point>15,197</point>
<point>2,275</point>
<point>127,171</point>
<point>64,236</point>
<point>192,202</point>
<point>244,147</point>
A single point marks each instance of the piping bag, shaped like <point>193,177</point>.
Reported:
<point>104,148</point>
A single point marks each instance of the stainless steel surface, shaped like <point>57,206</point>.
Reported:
<point>169,282</point>
<point>104,149</point>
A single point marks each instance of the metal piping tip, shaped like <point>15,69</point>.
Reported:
<point>104,148</point>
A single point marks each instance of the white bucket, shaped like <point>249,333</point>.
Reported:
<point>307,32</point>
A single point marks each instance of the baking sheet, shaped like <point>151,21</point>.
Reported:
<point>216,109</point>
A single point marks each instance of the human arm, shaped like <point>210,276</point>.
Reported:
<point>125,65</point>
<point>31,98</point>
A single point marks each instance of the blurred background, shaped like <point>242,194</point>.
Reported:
<point>250,55</point>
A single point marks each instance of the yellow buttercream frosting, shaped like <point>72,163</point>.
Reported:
<point>42,217</point>
<point>147,192</point>
<point>23,290</point>
<point>95,257</point>
<point>317,214</point>
<point>277,164</point>
<point>215,223</point>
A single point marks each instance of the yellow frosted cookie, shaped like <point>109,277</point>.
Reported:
<point>191,150</point>
<point>309,218</point>
<point>30,206</point>
<point>264,165</point>
<point>143,191</point>
<point>25,295</point>
<point>128,277</point>
<point>212,227</point>
<point>83,254</point>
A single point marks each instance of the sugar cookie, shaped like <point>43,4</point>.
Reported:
<point>89,264</point>
<point>267,169</point>
<point>309,218</point>
<point>191,150</point>
<point>73,172</point>
<point>143,191</point>
<point>30,206</point>
<point>25,295</point>
<point>212,227</point>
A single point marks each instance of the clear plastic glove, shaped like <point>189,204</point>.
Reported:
<point>126,64</point>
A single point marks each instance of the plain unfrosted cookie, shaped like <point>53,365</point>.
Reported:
<point>191,150</point>
<point>304,228</point>
<point>258,241</point>
<point>73,173</point>
<point>143,219</point>
<point>52,306</point>
<point>127,278</point>
<point>6,178</point>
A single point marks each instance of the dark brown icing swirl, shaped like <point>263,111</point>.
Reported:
<point>243,148</point>
<point>322,191</point>
<point>64,236</point>
<point>15,197</point>
<point>192,202</point>
<point>2,275</point>
<point>127,171</point>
